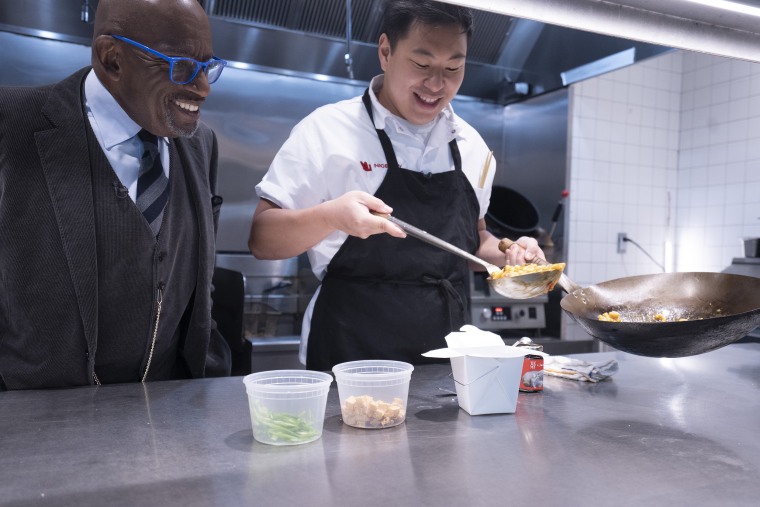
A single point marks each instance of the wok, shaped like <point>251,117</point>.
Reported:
<point>719,309</point>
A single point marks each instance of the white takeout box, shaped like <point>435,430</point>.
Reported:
<point>486,371</point>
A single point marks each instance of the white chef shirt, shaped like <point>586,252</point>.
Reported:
<point>336,149</point>
<point>116,132</point>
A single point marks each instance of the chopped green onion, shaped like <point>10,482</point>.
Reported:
<point>283,427</point>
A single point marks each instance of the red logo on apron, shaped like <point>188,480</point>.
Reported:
<point>366,166</point>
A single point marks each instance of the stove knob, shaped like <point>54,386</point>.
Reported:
<point>486,313</point>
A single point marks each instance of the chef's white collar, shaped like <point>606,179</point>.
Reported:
<point>382,114</point>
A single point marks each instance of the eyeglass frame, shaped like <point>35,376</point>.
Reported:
<point>173,59</point>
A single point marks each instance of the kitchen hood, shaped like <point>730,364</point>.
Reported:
<point>520,48</point>
<point>509,58</point>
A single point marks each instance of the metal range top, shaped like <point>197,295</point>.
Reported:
<point>492,311</point>
<point>748,266</point>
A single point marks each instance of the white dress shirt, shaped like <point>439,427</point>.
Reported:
<point>116,133</point>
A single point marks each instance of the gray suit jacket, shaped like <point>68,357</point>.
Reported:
<point>48,274</point>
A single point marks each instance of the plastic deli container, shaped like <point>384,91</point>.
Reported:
<point>287,406</point>
<point>373,393</point>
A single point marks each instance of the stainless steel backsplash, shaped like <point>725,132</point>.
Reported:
<point>253,111</point>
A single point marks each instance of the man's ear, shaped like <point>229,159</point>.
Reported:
<point>383,50</point>
<point>106,58</point>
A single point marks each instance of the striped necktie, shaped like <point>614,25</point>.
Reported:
<point>152,183</point>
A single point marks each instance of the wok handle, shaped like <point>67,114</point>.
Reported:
<point>564,281</point>
<point>505,243</point>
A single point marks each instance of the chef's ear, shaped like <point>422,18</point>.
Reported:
<point>383,50</point>
<point>106,58</point>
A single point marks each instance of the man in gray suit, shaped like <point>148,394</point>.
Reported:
<point>107,209</point>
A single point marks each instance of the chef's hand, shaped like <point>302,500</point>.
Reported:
<point>351,213</point>
<point>524,250</point>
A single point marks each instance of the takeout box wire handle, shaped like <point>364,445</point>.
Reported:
<point>475,380</point>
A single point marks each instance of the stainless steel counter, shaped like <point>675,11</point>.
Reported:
<point>662,432</point>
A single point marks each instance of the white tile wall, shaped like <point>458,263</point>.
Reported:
<point>719,163</point>
<point>667,151</point>
<point>624,141</point>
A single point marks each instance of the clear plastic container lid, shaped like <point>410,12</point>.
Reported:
<point>373,373</point>
<point>287,384</point>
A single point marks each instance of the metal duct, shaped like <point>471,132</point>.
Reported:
<point>682,24</point>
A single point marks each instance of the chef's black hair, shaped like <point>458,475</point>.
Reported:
<point>399,15</point>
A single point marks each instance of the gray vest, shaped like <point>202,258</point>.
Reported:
<point>134,268</point>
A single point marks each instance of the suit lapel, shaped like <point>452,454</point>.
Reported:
<point>193,164</point>
<point>65,160</point>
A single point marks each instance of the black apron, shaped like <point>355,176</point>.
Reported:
<point>390,298</point>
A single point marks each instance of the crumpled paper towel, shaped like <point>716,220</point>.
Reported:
<point>576,369</point>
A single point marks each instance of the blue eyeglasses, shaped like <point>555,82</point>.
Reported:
<point>183,70</point>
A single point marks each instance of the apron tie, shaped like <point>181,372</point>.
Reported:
<point>448,293</point>
<point>445,288</point>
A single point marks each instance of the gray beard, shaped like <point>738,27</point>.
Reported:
<point>176,130</point>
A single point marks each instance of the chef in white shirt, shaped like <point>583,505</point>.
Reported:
<point>399,149</point>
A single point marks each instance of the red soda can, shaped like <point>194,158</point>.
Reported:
<point>532,376</point>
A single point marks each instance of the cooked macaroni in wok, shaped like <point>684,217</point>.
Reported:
<point>614,316</point>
